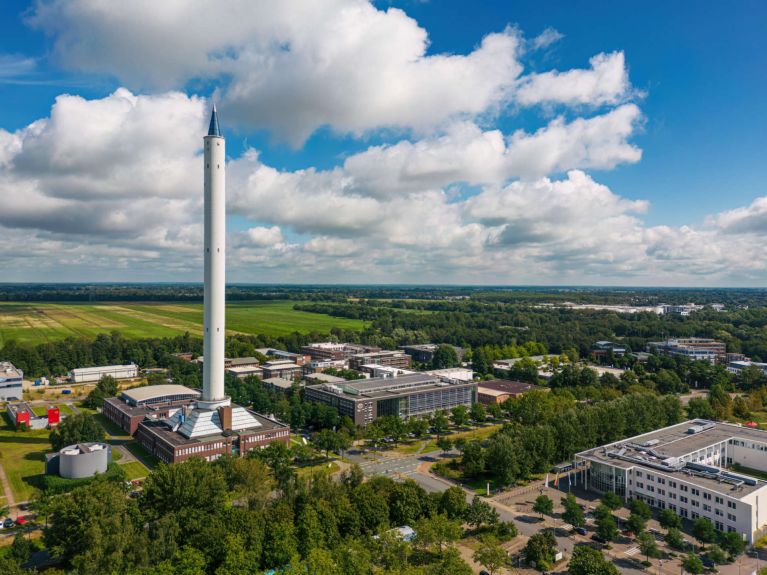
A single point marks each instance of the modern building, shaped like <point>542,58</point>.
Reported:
<point>684,309</point>
<point>296,358</point>
<point>685,468</point>
<point>11,378</point>
<point>422,353</point>
<point>602,349</point>
<point>245,371</point>
<point>208,425</point>
<point>94,374</point>
<point>383,371</point>
<point>453,374</point>
<point>315,378</point>
<point>405,396</point>
<point>329,351</point>
<point>499,390</point>
<point>387,358</point>
<point>80,460</point>
<point>285,369</point>
<point>738,366</point>
<point>694,348</point>
<point>278,384</point>
<point>153,402</point>
<point>22,413</point>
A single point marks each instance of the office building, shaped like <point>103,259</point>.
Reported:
<point>244,371</point>
<point>329,351</point>
<point>693,348</point>
<point>387,358</point>
<point>499,390</point>
<point>405,396</point>
<point>453,374</point>
<point>11,378</point>
<point>738,366</point>
<point>684,468</point>
<point>285,369</point>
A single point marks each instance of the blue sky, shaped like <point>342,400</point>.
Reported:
<point>696,77</point>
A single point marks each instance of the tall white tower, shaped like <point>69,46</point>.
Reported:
<point>215,268</point>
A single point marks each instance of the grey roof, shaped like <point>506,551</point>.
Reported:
<point>213,129</point>
<point>158,392</point>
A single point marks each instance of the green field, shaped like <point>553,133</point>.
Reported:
<point>41,322</point>
<point>22,455</point>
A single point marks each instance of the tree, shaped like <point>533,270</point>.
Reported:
<point>573,513</point>
<point>732,542</point>
<point>77,428</point>
<point>478,413</point>
<point>703,530</point>
<point>589,561</point>
<point>450,564</point>
<point>418,426</point>
<point>636,523</point>
<point>452,502</point>
<point>439,423</point>
<point>193,485</point>
<point>480,513</point>
<point>647,545</point>
<point>21,548</point>
<point>668,519</point>
<point>249,479</point>
<point>674,538</point>
<point>607,529</point>
<point>503,458</point>
<point>437,530</point>
<point>106,387</point>
<point>692,564</point>
<point>640,508</point>
<point>602,511</point>
<point>612,500</point>
<point>459,415</point>
<point>320,562</point>
<point>490,554</point>
<point>327,441</point>
<point>543,505</point>
<point>444,356</point>
<point>473,460</point>
<point>445,444</point>
<point>540,549</point>
<point>716,554</point>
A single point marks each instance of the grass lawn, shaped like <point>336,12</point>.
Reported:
<point>35,323</point>
<point>134,470</point>
<point>431,445</point>
<point>142,454</point>
<point>22,455</point>
<point>65,409</point>
<point>83,409</point>
<point>325,467</point>
<point>40,410</point>
<point>113,430</point>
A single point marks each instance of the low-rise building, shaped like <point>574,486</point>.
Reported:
<point>387,358</point>
<point>11,382</point>
<point>453,374</point>
<point>318,366</point>
<point>79,461</point>
<point>499,390</point>
<point>693,348</point>
<point>405,396</point>
<point>383,371</point>
<point>285,369</point>
<point>315,378</point>
<point>602,349</point>
<point>94,374</point>
<point>330,351</point>
<point>685,468</point>
<point>738,366</point>
<point>22,414</point>
<point>243,371</point>
<point>297,358</point>
<point>278,384</point>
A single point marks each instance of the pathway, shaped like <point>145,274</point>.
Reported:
<point>9,500</point>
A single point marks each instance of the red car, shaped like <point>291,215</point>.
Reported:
<point>20,521</point>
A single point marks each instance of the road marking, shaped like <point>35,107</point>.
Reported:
<point>631,551</point>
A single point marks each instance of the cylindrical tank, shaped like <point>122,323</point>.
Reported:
<point>84,460</point>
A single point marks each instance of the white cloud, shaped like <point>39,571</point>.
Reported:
<point>546,38</point>
<point>263,236</point>
<point>606,82</point>
<point>295,66</point>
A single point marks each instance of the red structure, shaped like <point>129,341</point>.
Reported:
<point>53,416</point>
<point>22,416</point>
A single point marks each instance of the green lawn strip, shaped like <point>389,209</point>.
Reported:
<point>65,409</point>
<point>113,430</point>
<point>142,454</point>
<point>84,409</point>
<point>40,410</point>
<point>22,455</point>
<point>134,470</point>
<point>478,434</point>
<point>324,467</point>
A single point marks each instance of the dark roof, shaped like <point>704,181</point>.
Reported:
<point>213,129</point>
<point>506,386</point>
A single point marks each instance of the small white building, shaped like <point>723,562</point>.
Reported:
<point>738,366</point>
<point>453,374</point>
<point>686,468</point>
<point>93,374</point>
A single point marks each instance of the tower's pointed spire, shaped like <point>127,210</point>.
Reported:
<point>213,129</point>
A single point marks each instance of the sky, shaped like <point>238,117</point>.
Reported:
<point>442,142</point>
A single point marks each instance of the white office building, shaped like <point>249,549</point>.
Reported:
<point>11,386</point>
<point>686,468</point>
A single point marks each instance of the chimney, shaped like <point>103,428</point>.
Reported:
<point>225,415</point>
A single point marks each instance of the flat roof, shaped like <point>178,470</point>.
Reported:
<point>665,447</point>
<point>379,387</point>
<point>324,377</point>
<point>148,392</point>
<point>502,386</point>
<point>104,368</point>
<point>280,382</point>
<point>243,369</point>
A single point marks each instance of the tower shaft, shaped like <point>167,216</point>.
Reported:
<point>213,394</point>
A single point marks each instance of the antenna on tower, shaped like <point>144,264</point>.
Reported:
<point>213,129</point>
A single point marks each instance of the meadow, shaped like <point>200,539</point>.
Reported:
<point>33,323</point>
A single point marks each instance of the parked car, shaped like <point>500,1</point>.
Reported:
<point>8,523</point>
<point>598,538</point>
<point>581,530</point>
<point>752,552</point>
